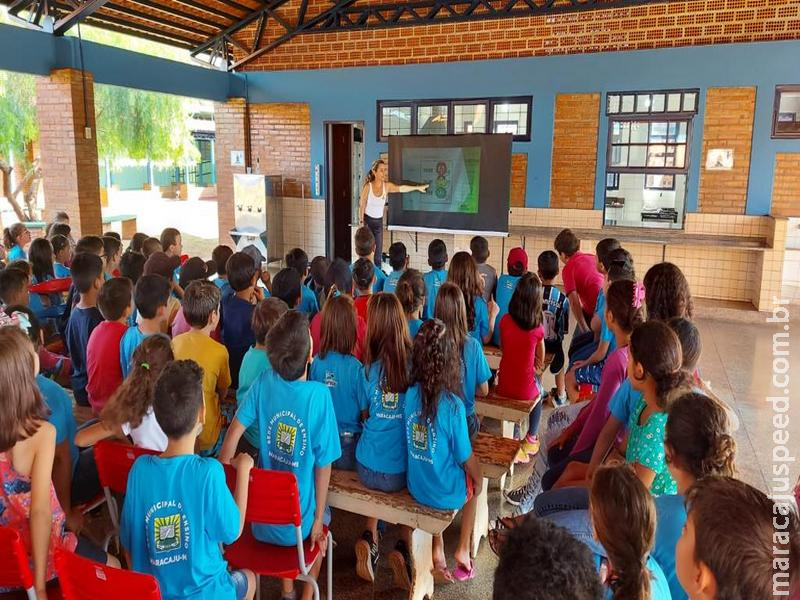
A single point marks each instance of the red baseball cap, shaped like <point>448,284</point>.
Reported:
<point>517,256</point>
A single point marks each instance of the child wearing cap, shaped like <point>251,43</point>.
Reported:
<point>516,265</point>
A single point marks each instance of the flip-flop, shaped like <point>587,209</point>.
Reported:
<point>463,574</point>
<point>442,576</point>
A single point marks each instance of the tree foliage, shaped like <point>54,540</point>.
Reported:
<point>18,125</point>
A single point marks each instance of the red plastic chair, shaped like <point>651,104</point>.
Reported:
<point>15,571</point>
<point>52,286</point>
<point>83,579</point>
<point>273,499</point>
<point>114,461</point>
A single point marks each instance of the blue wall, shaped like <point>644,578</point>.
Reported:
<point>351,95</point>
<point>38,53</point>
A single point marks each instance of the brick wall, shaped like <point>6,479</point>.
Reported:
<point>786,185</point>
<point>574,151</point>
<point>281,143</point>
<point>230,135</point>
<point>668,24</point>
<point>728,124</point>
<point>519,178</point>
<point>69,161</point>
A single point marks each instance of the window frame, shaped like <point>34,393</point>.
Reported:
<point>657,117</point>
<point>488,102</point>
<point>776,105</point>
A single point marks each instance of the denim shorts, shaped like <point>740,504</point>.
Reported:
<point>240,584</point>
<point>348,441</point>
<point>383,482</point>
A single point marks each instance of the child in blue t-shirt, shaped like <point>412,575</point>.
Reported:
<point>237,311</point>
<point>296,433</point>
<point>178,510</point>
<point>220,256</point>
<point>381,451</point>
<point>343,374</point>
<point>398,260</point>
<point>364,244</point>
<point>516,265</point>
<point>62,255</point>
<point>481,316</point>
<point>443,473</point>
<point>151,297</point>
<point>297,259</point>
<point>437,259</point>
<point>411,293</point>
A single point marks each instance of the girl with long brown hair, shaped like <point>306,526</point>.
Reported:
<point>624,520</point>
<point>411,293</point>
<point>475,372</point>
<point>381,452</point>
<point>129,411</point>
<point>481,316</point>
<point>374,198</point>
<point>343,374</point>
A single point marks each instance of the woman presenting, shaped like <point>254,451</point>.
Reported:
<point>373,199</point>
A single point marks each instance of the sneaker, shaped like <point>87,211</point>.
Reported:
<point>366,557</point>
<point>522,457</point>
<point>522,498</point>
<point>400,561</point>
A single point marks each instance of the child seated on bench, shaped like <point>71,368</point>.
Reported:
<point>555,314</point>
<point>297,433</point>
<point>443,473</point>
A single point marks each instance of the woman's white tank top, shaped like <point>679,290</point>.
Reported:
<point>375,203</point>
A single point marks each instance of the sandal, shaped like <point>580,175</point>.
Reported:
<point>463,573</point>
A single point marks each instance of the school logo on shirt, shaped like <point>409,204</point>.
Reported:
<point>389,400</point>
<point>419,436</point>
<point>285,438</point>
<point>167,532</point>
<point>330,379</point>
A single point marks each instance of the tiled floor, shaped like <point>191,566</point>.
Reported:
<point>737,360</point>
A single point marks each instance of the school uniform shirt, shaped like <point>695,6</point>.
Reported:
<point>224,287</point>
<point>646,447</point>
<point>316,335</point>
<point>297,433</point>
<point>148,434</point>
<point>624,402</point>
<point>489,276</point>
<point>82,322</point>
<point>60,271</point>
<point>17,252</point>
<point>360,304</point>
<point>481,327</point>
<point>382,446</point>
<point>213,359</point>
<point>433,281</point>
<point>413,327</point>
<point>103,362</point>
<point>128,344</point>
<point>308,302</point>
<point>517,373</point>
<point>606,335</point>
<point>380,280</point>
<point>580,275</point>
<point>474,372</point>
<point>237,332</point>
<point>670,519</point>
<point>177,512</point>
<point>659,590</point>
<point>343,375</point>
<point>555,313</point>
<point>506,285</point>
<point>390,285</point>
<point>437,451</point>
<point>254,363</point>
<point>61,415</point>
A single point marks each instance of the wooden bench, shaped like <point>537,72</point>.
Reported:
<point>493,356</point>
<point>346,492</point>
<point>128,224</point>
<point>507,410</point>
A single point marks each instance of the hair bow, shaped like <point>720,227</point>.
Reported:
<point>638,295</point>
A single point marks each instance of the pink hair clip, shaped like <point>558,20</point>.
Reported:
<point>638,295</point>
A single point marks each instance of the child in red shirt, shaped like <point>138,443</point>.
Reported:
<point>582,281</point>
<point>103,350</point>
<point>522,340</point>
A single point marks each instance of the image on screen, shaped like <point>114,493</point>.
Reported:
<point>453,178</point>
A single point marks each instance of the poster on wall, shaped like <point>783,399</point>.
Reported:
<point>719,159</point>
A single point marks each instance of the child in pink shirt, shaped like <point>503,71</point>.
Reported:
<point>582,281</point>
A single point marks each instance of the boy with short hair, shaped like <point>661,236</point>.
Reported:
<point>220,256</point>
<point>178,510</point>
<point>316,280</point>
<point>363,282</point>
<point>287,285</point>
<point>14,284</point>
<point>365,248</point>
<point>297,259</point>
<point>437,259</point>
<point>479,247</point>
<point>87,276</point>
<point>172,245</point>
<point>151,296</point>
<point>103,351</point>
<point>555,313</point>
<point>237,310</point>
<point>201,309</point>
<point>516,265</point>
<point>398,259</point>
<point>756,559</point>
<point>297,433</point>
<point>582,282</point>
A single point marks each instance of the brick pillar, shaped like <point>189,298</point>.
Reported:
<point>229,118</point>
<point>69,161</point>
<point>575,128</point>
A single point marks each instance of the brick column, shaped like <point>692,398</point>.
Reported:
<point>229,118</point>
<point>65,107</point>
<point>575,127</point>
